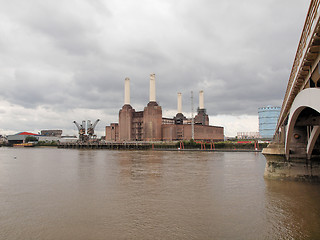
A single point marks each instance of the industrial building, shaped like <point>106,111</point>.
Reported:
<point>21,137</point>
<point>45,136</point>
<point>268,118</point>
<point>150,125</point>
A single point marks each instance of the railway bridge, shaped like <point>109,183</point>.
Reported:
<point>295,150</point>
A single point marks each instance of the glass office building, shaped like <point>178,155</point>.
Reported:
<point>268,118</point>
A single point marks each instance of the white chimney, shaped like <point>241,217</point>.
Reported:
<point>201,100</point>
<point>127,91</point>
<point>179,103</point>
<point>152,87</point>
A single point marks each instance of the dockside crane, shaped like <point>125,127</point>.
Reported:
<point>91,127</point>
<point>81,129</point>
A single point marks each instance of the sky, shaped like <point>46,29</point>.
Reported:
<point>65,61</point>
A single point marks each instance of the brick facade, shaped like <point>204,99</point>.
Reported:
<point>149,125</point>
<point>152,121</point>
<point>173,132</point>
<point>112,132</point>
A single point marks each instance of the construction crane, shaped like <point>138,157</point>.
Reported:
<point>91,127</point>
<point>82,129</point>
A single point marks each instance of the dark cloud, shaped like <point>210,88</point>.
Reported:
<point>62,56</point>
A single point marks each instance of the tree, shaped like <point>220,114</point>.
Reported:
<point>31,139</point>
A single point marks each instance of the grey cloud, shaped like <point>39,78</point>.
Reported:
<point>76,54</point>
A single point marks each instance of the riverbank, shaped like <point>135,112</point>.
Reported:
<point>227,146</point>
<point>170,146</point>
<point>208,150</point>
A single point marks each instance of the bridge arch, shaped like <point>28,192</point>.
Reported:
<point>307,98</point>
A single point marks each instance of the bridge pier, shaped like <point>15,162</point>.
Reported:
<point>296,168</point>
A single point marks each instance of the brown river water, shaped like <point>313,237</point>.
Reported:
<point>49,193</point>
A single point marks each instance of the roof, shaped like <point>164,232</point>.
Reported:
<point>27,133</point>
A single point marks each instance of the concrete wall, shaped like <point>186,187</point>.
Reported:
<point>49,138</point>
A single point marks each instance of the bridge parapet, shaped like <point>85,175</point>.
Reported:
<point>306,59</point>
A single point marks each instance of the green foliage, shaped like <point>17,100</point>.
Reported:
<point>228,145</point>
<point>31,139</point>
<point>47,144</point>
<point>191,142</point>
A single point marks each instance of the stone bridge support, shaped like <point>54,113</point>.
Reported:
<point>296,155</point>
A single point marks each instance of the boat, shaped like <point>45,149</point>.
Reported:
<point>23,145</point>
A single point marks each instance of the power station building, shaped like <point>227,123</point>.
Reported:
<point>150,125</point>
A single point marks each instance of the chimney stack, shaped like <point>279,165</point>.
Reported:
<point>179,103</point>
<point>201,100</point>
<point>127,91</point>
<point>152,88</point>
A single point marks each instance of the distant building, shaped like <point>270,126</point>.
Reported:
<point>68,139</point>
<point>53,133</point>
<point>45,136</point>
<point>248,135</point>
<point>150,125</point>
<point>268,118</point>
<point>21,137</point>
<point>50,136</point>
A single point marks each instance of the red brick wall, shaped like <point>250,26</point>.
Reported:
<point>172,132</point>
<point>137,126</point>
<point>208,133</point>
<point>168,132</point>
<point>152,121</point>
<point>125,122</point>
<point>112,132</point>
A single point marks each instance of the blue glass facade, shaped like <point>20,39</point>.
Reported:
<point>268,118</point>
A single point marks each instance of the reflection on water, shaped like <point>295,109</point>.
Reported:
<point>88,194</point>
<point>293,209</point>
<point>140,166</point>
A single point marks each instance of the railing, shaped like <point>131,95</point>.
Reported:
<point>313,14</point>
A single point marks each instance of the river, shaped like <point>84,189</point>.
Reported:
<point>49,193</point>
